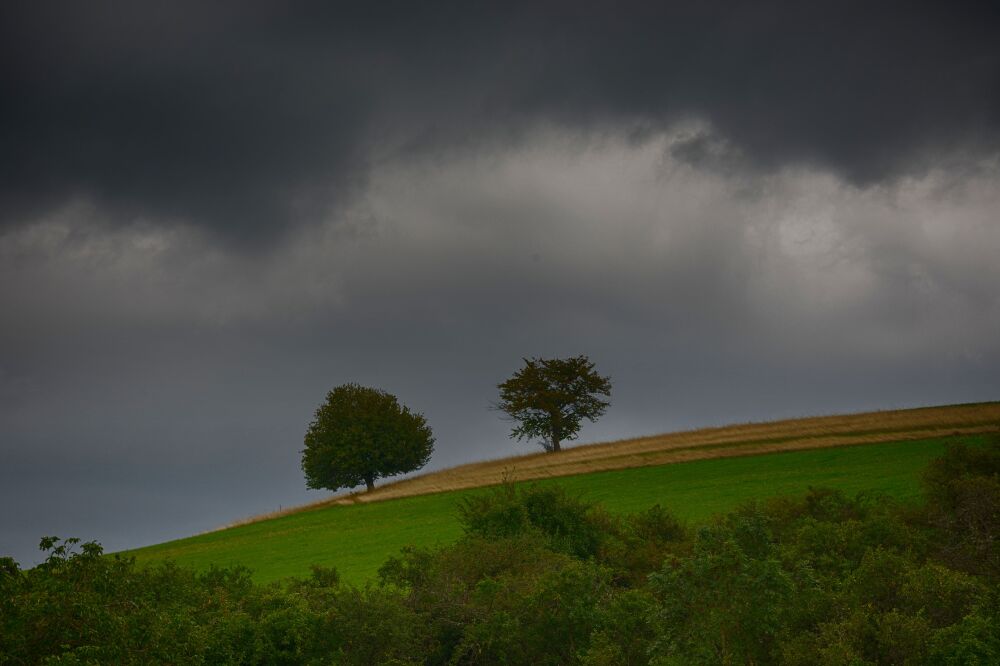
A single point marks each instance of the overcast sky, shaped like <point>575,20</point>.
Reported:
<point>213,213</point>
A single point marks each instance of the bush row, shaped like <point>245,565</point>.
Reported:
<point>541,577</point>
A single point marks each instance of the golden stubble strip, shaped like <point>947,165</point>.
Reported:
<point>722,442</point>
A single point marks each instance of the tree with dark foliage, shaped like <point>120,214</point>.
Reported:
<point>362,434</point>
<point>549,397</point>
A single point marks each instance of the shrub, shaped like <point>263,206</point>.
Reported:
<point>567,523</point>
<point>963,489</point>
<point>726,602</point>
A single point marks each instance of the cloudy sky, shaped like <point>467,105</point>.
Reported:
<point>213,213</point>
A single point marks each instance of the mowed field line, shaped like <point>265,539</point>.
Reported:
<point>720,442</point>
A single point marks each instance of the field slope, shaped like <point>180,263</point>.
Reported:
<point>694,474</point>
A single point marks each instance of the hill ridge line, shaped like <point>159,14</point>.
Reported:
<point>741,439</point>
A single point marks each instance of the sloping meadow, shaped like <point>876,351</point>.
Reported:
<point>694,474</point>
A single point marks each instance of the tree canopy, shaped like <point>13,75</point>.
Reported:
<point>362,434</point>
<point>548,398</point>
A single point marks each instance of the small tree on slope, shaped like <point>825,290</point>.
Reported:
<point>362,434</point>
<point>549,397</point>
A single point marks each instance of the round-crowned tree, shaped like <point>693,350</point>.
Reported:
<point>361,434</point>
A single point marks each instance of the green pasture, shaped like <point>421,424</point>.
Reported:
<point>357,539</point>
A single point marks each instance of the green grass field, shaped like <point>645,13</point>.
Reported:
<point>356,539</point>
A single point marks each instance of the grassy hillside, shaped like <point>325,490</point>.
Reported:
<point>817,579</point>
<point>357,537</point>
<point>733,440</point>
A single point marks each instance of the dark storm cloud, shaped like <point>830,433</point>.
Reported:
<point>154,384</point>
<point>212,213</point>
<point>249,118</point>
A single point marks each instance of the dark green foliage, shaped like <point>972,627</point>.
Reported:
<point>963,489</point>
<point>544,619</point>
<point>496,514</point>
<point>960,462</point>
<point>82,607</point>
<point>502,600</point>
<point>88,608</point>
<point>624,630</point>
<point>541,577</point>
<point>569,524</point>
<point>727,602</point>
<point>974,641</point>
<point>362,434</point>
<point>637,546</point>
<point>549,397</point>
<point>471,595</point>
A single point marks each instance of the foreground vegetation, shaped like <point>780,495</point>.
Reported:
<point>541,577</point>
<point>357,538</point>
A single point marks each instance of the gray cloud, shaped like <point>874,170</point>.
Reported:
<point>210,216</point>
<point>250,118</point>
<point>151,374</point>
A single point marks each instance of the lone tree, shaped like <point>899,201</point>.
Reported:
<point>549,397</point>
<point>362,434</point>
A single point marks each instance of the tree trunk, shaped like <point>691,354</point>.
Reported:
<point>370,481</point>
<point>555,445</point>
